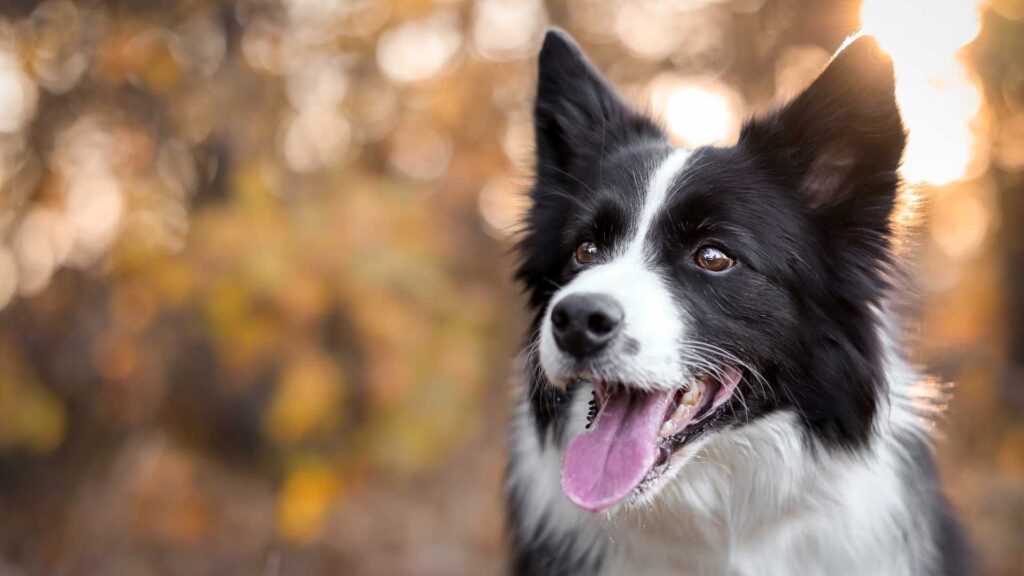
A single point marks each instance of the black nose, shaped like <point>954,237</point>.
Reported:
<point>584,323</point>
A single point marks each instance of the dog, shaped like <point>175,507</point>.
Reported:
<point>715,381</point>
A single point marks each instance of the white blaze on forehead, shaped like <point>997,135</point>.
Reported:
<point>657,192</point>
<point>653,324</point>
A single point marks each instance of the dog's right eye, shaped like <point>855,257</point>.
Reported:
<point>586,253</point>
<point>713,259</point>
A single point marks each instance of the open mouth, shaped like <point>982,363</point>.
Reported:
<point>631,435</point>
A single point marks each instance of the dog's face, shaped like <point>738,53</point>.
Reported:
<point>692,291</point>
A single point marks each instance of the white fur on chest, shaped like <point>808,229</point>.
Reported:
<point>756,500</point>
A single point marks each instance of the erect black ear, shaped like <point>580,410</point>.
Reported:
<point>839,145</point>
<point>577,115</point>
<point>841,140</point>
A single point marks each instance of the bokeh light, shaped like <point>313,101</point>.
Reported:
<point>18,94</point>
<point>647,29</point>
<point>961,223</point>
<point>697,110</point>
<point>419,50</point>
<point>503,205</point>
<point>508,29</point>
<point>419,153</point>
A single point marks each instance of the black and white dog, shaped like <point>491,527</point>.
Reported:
<point>714,382</point>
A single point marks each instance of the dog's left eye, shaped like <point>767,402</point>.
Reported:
<point>713,259</point>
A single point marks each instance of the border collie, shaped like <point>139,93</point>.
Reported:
<point>714,383</point>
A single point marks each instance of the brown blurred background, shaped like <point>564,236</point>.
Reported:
<point>256,314</point>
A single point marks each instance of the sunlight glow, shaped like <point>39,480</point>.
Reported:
<point>961,221</point>
<point>939,101</point>
<point>697,110</point>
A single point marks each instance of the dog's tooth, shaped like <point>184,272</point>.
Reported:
<point>688,397</point>
<point>667,427</point>
<point>679,415</point>
<point>692,396</point>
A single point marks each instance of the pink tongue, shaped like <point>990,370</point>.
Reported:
<point>605,463</point>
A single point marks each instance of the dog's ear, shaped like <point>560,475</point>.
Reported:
<point>840,141</point>
<point>577,115</point>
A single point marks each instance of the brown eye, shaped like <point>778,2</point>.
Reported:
<point>586,253</point>
<point>713,259</point>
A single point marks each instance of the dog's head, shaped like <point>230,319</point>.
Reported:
<point>698,290</point>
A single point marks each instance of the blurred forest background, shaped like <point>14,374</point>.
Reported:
<point>257,315</point>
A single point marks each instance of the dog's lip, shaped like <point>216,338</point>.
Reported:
<point>715,393</point>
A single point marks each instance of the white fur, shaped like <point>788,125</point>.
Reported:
<point>753,500</point>
<point>657,193</point>
<point>653,321</point>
